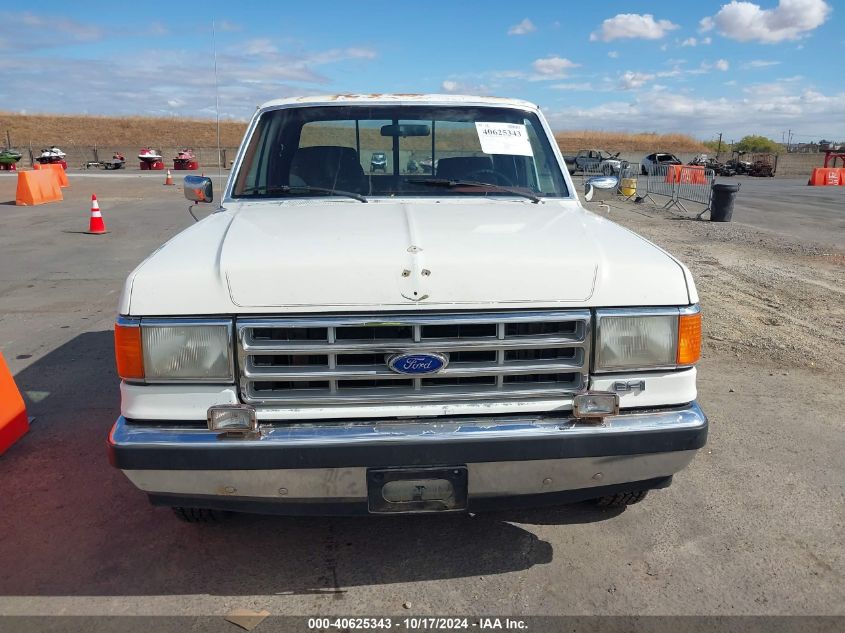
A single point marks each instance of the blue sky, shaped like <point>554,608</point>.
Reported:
<point>703,67</point>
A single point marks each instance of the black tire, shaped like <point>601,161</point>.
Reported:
<point>622,499</point>
<point>197,515</point>
<point>644,170</point>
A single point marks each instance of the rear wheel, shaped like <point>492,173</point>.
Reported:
<point>621,499</point>
<point>197,515</point>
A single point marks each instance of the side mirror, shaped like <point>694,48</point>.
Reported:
<point>198,189</point>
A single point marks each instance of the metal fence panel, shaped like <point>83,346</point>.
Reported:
<point>695,184</point>
<point>660,182</point>
<point>680,183</point>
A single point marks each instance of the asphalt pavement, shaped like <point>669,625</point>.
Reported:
<point>753,526</point>
<point>787,206</point>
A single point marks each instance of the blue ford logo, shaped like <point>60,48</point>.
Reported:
<point>417,363</point>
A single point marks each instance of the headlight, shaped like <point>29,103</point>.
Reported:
<point>189,351</point>
<point>159,350</point>
<point>647,339</point>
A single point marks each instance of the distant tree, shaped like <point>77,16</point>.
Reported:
<point>713,146</point>
<point>755,144</point>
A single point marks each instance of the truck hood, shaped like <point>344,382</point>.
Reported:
<point>340,254</point>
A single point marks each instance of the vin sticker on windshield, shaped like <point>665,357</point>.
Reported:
<point>503,138</point>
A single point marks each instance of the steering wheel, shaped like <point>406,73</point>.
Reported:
<point>498,178</point>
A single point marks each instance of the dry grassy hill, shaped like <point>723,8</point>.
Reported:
<point>571,141</point>
<point>41,130</point>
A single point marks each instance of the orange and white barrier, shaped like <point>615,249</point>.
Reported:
<point>37,187</point>
<point>59,171</point>
<point>827,176</point>
<point>14,422</point>
<point>687,174</point>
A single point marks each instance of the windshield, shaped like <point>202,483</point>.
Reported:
<point>399,151</point>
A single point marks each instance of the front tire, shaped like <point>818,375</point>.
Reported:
<point>197,515</point>
<point>622,499</point>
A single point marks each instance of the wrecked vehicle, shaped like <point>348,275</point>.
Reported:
<point>335,341</point>
<point>595,161</point>
<point>649,163</point>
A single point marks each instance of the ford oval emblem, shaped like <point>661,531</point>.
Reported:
<point>407,363</point>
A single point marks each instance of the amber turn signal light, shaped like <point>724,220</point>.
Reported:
<point>128,353</point>
<point>689,339</point>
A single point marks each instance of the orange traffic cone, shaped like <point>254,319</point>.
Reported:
<point>169,179</point>
<point>96,226</point>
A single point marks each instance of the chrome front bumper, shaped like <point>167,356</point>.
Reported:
<point>302,467</point>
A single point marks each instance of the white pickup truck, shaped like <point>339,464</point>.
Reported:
<point>337,340</point>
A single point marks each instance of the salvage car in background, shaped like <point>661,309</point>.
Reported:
<point>648,163</point>
<point>595,161</point>
<point>468,340</point>
<point>378,162</point>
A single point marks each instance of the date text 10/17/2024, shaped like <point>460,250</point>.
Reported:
<point>418,624</point>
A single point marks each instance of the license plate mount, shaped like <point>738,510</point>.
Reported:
<point>417,490</point>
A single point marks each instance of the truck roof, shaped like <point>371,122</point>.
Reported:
<point>394,98</point>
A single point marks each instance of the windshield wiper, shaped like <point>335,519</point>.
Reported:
<point>445,182</point>
<point>303,189</point>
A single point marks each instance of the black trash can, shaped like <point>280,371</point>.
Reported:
<point>722,202</point>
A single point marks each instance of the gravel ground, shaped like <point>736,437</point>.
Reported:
<point>765,297</point>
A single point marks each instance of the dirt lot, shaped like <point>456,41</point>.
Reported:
<point>754,526</point>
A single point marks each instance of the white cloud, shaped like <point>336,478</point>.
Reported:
<point>155,83</point>
<point>227,26</point>
<point>613,54</point>
<point>746,21</point>
<point>259,46</point>
<point>340,54</point>
<point>523,28</point>
<point>705,67</point>
<point>765,89</point>
<point>759,63</point>
<point>452,86</point>
<point>632,26</point>
<point>24,30</point>
<point>751,113</point>
<point>553,67</point>
<point>693,41</point>
<point>574,87</point>
<point>630,80</point>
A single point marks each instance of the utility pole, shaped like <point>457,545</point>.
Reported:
<point>789,141</point>
<point>719,147</point>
